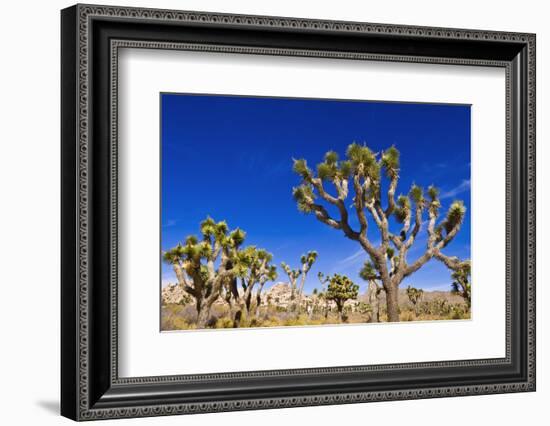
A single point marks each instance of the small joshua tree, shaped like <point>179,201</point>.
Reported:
<point>365,171</point>
<point>307,260</point>
<point>461,281</point>
<point>340,289</point>
<point>415,296</point>
<point>204,267</point>
<point>323,293</point>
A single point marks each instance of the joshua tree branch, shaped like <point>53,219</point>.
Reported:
<point>451,262</point>
<point>391,196</point>
<point>360,202</point>
<point>417,225</point>
<point>322,215</point>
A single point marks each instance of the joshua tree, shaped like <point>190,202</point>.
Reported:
<point>369,274</point>
<point>323,293</point>
<point>415,295</point>
<point>461,284</point>
<point>204,267</point>
<point>254,268</point>
<point>365,170</point>
<point>293,275</point>
<point>307,260</point>
<point>341,288</point>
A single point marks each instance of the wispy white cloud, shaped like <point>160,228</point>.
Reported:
<point>453,192</point>
<point>359,254</point>
<point>169,223</point>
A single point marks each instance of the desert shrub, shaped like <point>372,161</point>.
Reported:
<point>407,315</point>
<point>174,322</point>
<point>438,307</point>
<point>224,322</point>
<point>459,311</point>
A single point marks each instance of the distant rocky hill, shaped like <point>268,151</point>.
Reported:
<point>279,294</point>
<point>174,294</point>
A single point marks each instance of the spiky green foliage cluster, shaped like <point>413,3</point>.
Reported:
<point>454,218</point>
<point>433,193</point>
<point>304,197</point>
<point>368,272</point>
<point>300,167</point>
<point>309,258</point>
<point>341,288</point>
<point>253,263</point>
<point>390,162</point>
<point>293,274</point>
<point>417,194</point>
<point>213,234</point>
<point>402,209</point>
<point>455,215</point>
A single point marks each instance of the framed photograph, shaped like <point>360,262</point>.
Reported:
<point>263,212</point>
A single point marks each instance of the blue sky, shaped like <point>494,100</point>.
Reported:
<point>231,158</point>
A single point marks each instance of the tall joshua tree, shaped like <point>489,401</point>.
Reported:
<point>365,171</point>
<point>203,267</point>
<point>307,260</point>
<point>340,289</point>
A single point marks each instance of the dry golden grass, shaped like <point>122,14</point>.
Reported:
<point>183,317</point>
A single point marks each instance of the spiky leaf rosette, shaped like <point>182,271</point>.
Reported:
<point>300,167</point>
<point>304,197</point>
<point>433,193</point>
<point>272,273</point>
<point>309,258</point>
<point>237,237</point>
<point>368,271</point>
<point>191,240</point>
<point>455,215</point>
<point>416,194</point>
<point>363,160</point>
<point>174,255</point>
<point>402,209</point>
<point>390,162</point>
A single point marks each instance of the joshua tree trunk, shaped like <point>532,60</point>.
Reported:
<point>374,302</point>
<point>259,299</point>
<point>237,319</point>
<point>392,303</point>
<point>340,308</point>
<point>203,316</point>
<point>248,301</point>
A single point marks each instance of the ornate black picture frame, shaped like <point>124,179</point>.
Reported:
<point>91,36</point>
